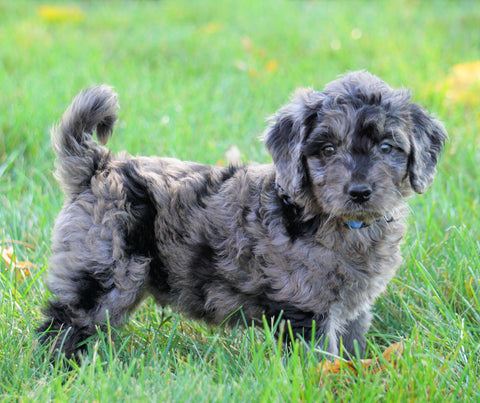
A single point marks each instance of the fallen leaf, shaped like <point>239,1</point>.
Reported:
<point>393,351</point>
<point>462,85</point>
<point>252,73</point>
<point>211,28</point>
<point>467,72</point>
<point>67,13</point>
<point>371,366</point>
<point>335,367</point>
<point>8,256</point>
<point>271,66</point>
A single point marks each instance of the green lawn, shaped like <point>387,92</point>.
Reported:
<point>194,78</point>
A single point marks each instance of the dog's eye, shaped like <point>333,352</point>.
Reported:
<point>328,150</point>
<point>386,148</point>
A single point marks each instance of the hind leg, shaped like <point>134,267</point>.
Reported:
<point>87,303</point>
<point>92,277</point>
<point>62,331</point>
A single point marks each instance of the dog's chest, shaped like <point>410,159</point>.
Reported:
<point>343,268</point>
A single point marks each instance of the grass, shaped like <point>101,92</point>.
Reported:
<point>194,79</point>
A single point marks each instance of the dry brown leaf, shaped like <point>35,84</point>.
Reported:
<point>393,351</point>
<point>371,366</point>
<point>7,254</point>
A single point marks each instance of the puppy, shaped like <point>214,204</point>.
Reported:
<point>312,239</point>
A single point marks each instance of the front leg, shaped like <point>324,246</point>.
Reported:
<point>320,332</point>
<point>324,331</point>
<point>355,331</point>
<point>330,334</point>
<point>298,323</point>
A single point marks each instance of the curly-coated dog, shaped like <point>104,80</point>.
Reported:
<point>312,238</point>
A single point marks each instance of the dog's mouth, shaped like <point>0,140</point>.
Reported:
<point>365,219</point>
<point>360,215</point>
<point>364,213</point>
<point>359,205</point>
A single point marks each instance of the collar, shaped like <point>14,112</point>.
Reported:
<point>361,224</point>
<point>356,224</point>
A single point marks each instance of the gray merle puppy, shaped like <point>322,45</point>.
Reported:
<point>312,238</point>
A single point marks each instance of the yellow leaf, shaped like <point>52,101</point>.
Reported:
<point>462,85</point>
<point>212,28</point>
<point>467,72</point>
<point>372,366</point>
<point>393,351</point>
<point>329,367</point>
<point>67,13</point>
<point>271,66</point>
<point>7,255</point>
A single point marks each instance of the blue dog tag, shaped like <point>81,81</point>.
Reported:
<point>355,224</point>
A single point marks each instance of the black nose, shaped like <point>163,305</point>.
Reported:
<point>360,193</point>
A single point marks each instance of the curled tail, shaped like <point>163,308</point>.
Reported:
<point>78,155</point>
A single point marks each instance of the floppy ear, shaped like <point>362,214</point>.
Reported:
<point>284,138</point>
<point>427,141</point>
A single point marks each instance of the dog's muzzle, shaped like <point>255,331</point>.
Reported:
<point>360,193</point>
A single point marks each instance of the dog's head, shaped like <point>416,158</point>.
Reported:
<point>354,150</point>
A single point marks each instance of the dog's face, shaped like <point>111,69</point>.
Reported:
<point>354,150</point>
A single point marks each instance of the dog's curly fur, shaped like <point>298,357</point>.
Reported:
<point>315,236</point>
